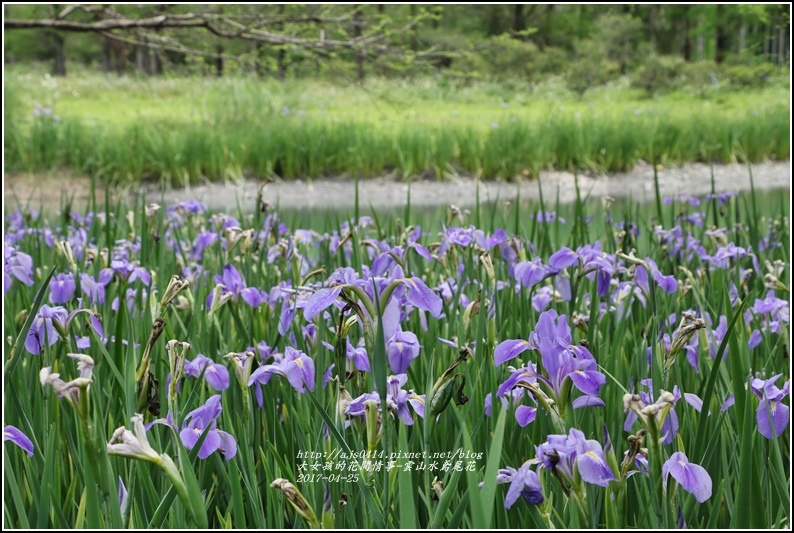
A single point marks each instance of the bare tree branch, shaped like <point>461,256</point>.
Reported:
<point>221,25</point>
<point>338,29</point>
<point>163,21</point>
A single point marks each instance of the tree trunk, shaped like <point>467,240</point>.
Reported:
<point>219,60</point>
<point>518,18</point>
<point>384,71</point>
<point>742,43</point>
<point>358,23</point>
<point>156,63</point>
<point>106,66</point>
<point>766,42</point>
<point>721,45</point>
<point>700,41</point>
<point>122,52</point>
<point>414,35</point>
<point>259,54</point>
<point>781,45</point>
<point>59,65</point>
<point>493,21</point>
<point>142,59</point>
<point>282,64</point>
<point>653,25</point>
<point>687,35</point>
<point>281,56</point>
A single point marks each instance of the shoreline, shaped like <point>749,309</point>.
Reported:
<point>389,192</point>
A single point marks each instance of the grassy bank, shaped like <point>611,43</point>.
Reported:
<point>180,130</point>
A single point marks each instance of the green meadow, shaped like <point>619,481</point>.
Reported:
<point>183,130</point>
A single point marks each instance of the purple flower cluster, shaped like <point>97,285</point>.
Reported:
<point>202,420</point>
<point>561,360</point>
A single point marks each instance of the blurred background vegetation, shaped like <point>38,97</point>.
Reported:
<point>588,44</point>
<point>360,78</point>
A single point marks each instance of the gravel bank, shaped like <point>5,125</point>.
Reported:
<point>386,192</point>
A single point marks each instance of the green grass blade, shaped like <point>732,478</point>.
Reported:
<point>407,504</point>
<point>494,458</point>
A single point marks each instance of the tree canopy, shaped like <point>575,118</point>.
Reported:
<point>390,38</point>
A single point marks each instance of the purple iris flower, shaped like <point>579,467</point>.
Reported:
<point>402,348</point>
<point>325,297</point>
<point>524,482</point>
<point>321,300</point>
<point>197,421</point>
<point>83,343</point>
<point>563,453</point>
<point>592,463</point>
<point>357,356</point>
<point>561,360</point>
<point>624,296</point>
<point>357,406</point>
<point>43,326</point>
<point>130,272</point>
<point>563,285</point>
<point>62,287</point>
<point>755,339</point>
<point>216,376</point>
<point>123,498</point>
<point>385,260</point>
<point>725,256</point>
<point>542,299</point>
<point>772,415</point>
<point>775,311</point>
<point>530,273</point>
<point>130,298</point>
<point>78,239</point>
<point>231,279</point>
<point>716,335</point>
<point>397,400</point>
<point>180,210</point>
<point>455,235</point>
<point>20,439</point>
<point>234,285</point>
<point>722,198</point>
<point>524,414</point>
<point>696,219</point>
<point>52,321</point>
<point>595,264</point>
<point>419,294</point>
<point>202,241</point>
<point>296,366</point>
<point>285,317</point>
<point>94,289</point>
<point>17,264</point>
<point>194,425</point>
<point>693,478</point>
<point>683,198</point>
<point>564,258</point>
<point>448,289</point>
<point>548,217</point>
<point>667,283</point>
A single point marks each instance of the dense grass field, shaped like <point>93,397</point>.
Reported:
<point>180,130</point>
<point>525,366</point>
